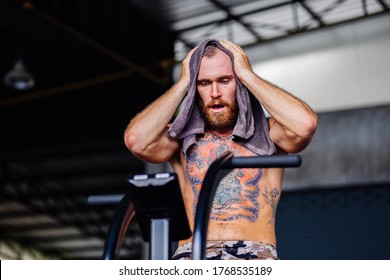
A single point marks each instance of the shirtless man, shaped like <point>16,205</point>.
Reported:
<point>242,219</point>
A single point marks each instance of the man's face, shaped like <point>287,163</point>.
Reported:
<point>216,86</point>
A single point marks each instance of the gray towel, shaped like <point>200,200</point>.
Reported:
<point>251,129</point>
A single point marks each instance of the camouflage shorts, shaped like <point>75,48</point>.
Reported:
<point>230,250</point>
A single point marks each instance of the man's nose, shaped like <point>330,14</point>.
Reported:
<point>215,92</point>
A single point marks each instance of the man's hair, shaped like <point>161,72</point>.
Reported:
<point>210,51</point>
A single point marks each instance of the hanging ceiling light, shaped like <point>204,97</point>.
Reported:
<point>19,78</point>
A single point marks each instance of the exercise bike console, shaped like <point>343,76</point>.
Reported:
<point>160,211</point>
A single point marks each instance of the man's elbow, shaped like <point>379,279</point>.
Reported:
<point>299,140</point>
<point>155,152</point>
<point>133,142</point>
<point>309,127</point>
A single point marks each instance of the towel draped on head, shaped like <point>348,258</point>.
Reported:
<point>251,129</point>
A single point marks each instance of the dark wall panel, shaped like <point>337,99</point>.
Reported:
<point>335,224</point>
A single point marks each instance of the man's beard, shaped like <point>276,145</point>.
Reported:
<point>223,120</point>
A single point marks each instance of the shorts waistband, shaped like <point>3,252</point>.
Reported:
<point>230,250</point>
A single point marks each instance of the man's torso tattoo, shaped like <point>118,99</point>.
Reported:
<point>238,193</point>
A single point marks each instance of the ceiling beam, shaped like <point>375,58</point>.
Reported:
<point>254,11</point>
<point>383,4</point>
<point>306,30</point>
<point>237,18</point>
<point>314,15</point>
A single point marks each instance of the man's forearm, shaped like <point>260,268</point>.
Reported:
<point>294,122</point>
<point>147,126</point>
<point>287,109</point>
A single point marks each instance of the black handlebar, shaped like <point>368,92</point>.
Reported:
<point>262,161</point>
<point>118,227</point>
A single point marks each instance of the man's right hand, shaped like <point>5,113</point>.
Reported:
<point>185,67</point>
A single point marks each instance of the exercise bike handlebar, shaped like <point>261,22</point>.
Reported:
<point>118,227</point>
<point>262,161</point>
<point>217,170</point>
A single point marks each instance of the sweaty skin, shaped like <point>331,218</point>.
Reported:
<point>238,193</point>
<point>246,201</point>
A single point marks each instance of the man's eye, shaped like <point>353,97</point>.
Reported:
<point>225,81</point>
<point>204,83</point>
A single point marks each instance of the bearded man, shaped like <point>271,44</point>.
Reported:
<point>223,113</point>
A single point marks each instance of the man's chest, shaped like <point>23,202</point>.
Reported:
<point>237,191</point>
<point>210,147</point>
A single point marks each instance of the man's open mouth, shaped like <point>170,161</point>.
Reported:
<point>217,107</point>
